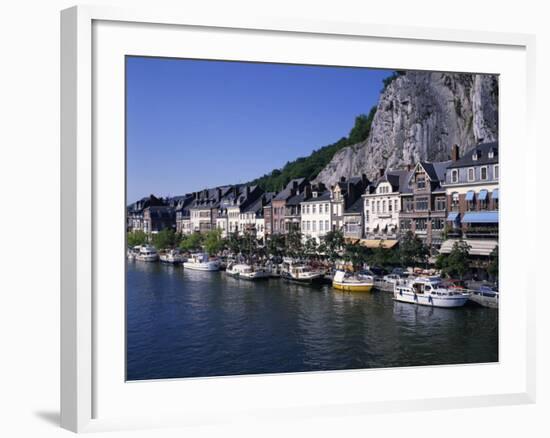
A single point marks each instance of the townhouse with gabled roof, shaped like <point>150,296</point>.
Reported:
<point>423,203</point>
<point>342,195</point>
<point>315,213</point>
<point>205,208</point>
<point>278,224</point>
<point>382,204</point>
<point>252,216</point>
<point>472,190</point>
<point>135,212</point>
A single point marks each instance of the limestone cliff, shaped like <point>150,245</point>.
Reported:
<point>419,116</point>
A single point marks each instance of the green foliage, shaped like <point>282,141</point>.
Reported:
<point>332,243</point>
<point>412,252</point>
<point>356,254</point>
<point>136,238</point>
<point>456,263</point>
<point>293,243</point>
<point>310,247</point>
<point>248,244</point>
<point>164,239</point>
<point>213,242</point>
<point>492,269</point>
<point>381,256</point>
<point>309,167</point>
<point>233,242</point>
<point>276,244</point>
<point>191,242</point>
<point>361,129</point>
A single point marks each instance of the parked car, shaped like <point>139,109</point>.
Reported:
<point>455,284</point>
<point>400,272</point>
<point>377,271</point>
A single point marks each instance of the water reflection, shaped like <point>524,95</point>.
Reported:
<point>193,323</point>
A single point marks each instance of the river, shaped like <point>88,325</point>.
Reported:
<point>183,323</point>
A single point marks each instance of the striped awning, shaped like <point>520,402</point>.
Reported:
<point>478,247</point>
<point>480,217</point>
<point>494,194</point>
<point>470,195</point>
<point>483,195</point>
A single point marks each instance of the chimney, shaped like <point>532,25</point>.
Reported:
<point>219,193</point>
<point>409,167</point>
<point>307,191</point>
<point>342,179</point>
<point>381,171</point>
<point>294,184</point>
<point>455,152</point>
<point>364,179</point>
<point>247,191</point>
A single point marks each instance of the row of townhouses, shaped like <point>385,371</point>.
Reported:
<point>439,202</point>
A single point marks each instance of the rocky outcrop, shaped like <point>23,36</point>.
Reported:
<point>419,116</point>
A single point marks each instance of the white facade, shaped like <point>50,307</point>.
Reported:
<point>315,216</point>
<point>233,218</point>
<point>222,225</point>
<point>381,208</point>
<point>260,228</point>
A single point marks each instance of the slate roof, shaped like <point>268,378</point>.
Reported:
<point>296,199</point>
<point>160,212</point>
<point>284,194</point>
<point>356,207</point>
<point>325,196</point>
<point>257,205</point>
<point>483,156</point>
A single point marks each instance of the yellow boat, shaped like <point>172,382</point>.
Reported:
<point>350,282</point>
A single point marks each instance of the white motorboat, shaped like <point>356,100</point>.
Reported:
<point>486,296</point>
<point>147,253</point>
<point>247,272</point>
<point>428,291</point>
<point>352,282</point>
<point>201,262</point>
<point>302,274</point>
<point>173,256</point>
<point>236,269</point>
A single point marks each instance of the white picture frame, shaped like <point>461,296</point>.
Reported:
<point>83,190</point>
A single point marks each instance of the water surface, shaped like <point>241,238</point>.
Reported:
<point>183,323</point>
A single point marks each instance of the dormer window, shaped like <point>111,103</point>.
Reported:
<point>476,155</point>
<point>454,175</point>
<point>491,154</point>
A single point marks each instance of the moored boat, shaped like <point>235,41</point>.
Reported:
<point>299,273</point>
<point>147,253</point>
<point>201,262</point>
<point>486,296</point>
<point>236,269</point>
<point>352,282</point>
<point>428,291</point>
<point>172,256</point>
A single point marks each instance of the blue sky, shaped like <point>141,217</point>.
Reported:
<point>195,124</point>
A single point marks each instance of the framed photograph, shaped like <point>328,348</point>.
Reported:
<point>284,217</point>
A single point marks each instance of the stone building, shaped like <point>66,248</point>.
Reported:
<point>423,203</point>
